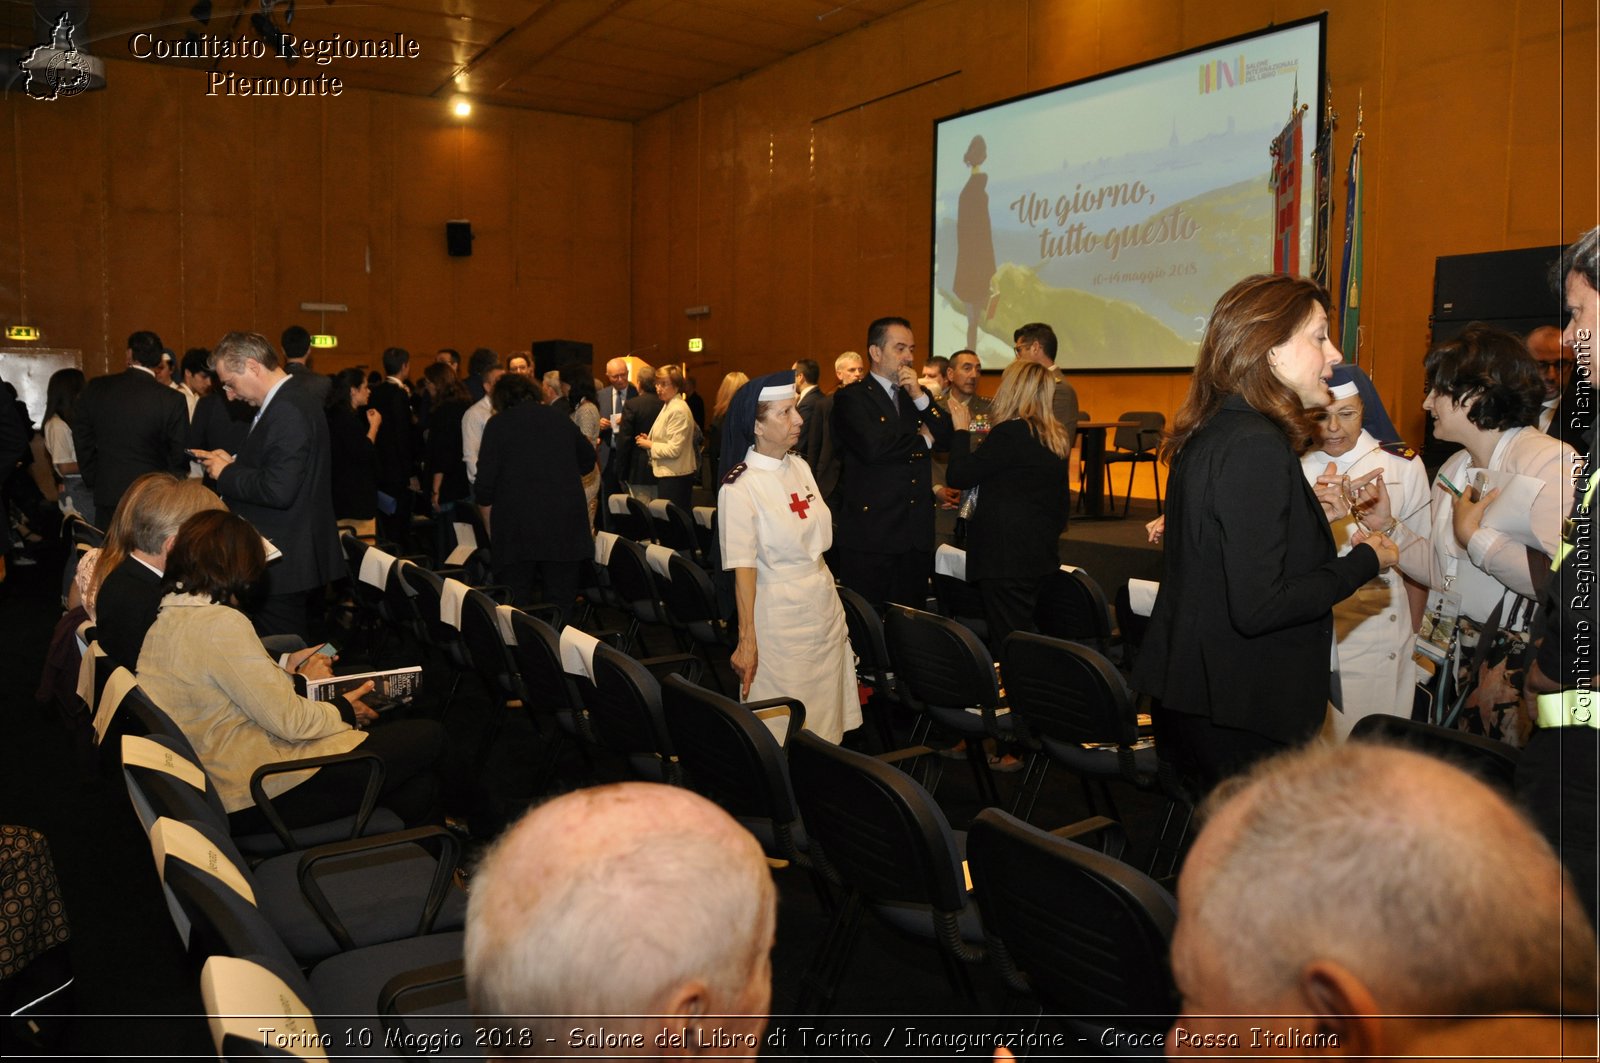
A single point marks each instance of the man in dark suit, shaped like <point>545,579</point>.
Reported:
<point>129,424</point>
<point>886,428</point>
<point>611,400</point>
<point>638,415</point>
<point>220,422</point>
<point>808,396</point>
<point>280,480</point>
<point>817,446</point>
<point>530,490</point>
<point>1568,411</point>
<point>395,445</point>
<point>297,363</point>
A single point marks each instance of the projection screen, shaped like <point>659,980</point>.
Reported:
<point>1117,209</point>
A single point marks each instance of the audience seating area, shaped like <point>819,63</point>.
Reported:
<point>359,916</point>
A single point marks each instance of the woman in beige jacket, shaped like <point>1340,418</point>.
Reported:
<point>204,665</point>
<point>671,441</point>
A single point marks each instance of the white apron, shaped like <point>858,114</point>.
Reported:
<point>772,518</point>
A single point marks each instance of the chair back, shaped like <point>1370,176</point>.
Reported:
<point>237,990</point>
<point>165,779</point>
<point>486,645</point>
<point>634,582</point>
<point>1145,437</point>
<point>1493,762</point>
<point>873,664</point>
<point>1088,933</point>
<point>941,663</point>
<point>634,522</point>
<point>873,828</point>
<point>1067,693</point>
<point>1071,605</point>
<point>427,592</point>
<point>692,602</point>
<point>537,653</point>
<point>215,895</point>
<point>624,714</point>
<point>731,757</point>
<point>674,529</point>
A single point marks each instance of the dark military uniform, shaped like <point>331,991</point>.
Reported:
<point>884,546</point>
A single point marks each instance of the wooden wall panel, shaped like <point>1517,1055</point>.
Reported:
<point>1464,121</point>
<point>190,215</point>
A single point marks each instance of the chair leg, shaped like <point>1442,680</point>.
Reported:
<point>1032,782</point>
<point>1127,499</point>
<point>1172,845</point>
<point>820,984</point>
<point>1155,474</point>
<point>978,757</point>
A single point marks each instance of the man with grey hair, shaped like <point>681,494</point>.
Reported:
<point>631,919</point>
<point>1373,901</point>
<point>280,481</point>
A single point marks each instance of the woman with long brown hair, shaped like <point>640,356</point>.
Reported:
<point>1240,643</point>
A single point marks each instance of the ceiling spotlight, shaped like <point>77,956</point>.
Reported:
<point>461,107</point>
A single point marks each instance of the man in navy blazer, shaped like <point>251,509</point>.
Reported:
<point>886,428</point>
<point>611,400</point>
<point>129,424</point>
<point>280,481</point>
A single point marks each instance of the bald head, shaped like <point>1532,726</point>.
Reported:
<point>627,899</point>
<point>617,373</point>
<point>1409,876</point>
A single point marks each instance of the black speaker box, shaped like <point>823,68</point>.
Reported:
<point>1510,289</point>
<point>557,354</point>
<point>458,238</point>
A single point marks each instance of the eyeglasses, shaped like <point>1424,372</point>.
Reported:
<point>1555,366</point>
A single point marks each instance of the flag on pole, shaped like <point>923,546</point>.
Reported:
<point>1322,161</point>
<point>1287,151</point>
<point>1350,275</point>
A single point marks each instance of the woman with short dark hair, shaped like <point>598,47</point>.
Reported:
<point>1484,391</point>
<point>204,665</point>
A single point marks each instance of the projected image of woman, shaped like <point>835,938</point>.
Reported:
<point>974,241</point>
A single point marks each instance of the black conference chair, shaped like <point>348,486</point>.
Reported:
<point>874,669</point>
<point>1077,711</point>
<point>359,983</point>
<point>1084,934</point>
<point>882,839</point>
<point>622,714</point>
<point>549,696</point>
<point>944,670</point>
<point>1137,446</point>
<point>731,755</point>
<point>691,603</point>
<point>1493,762</point>
<point>1071,605</point>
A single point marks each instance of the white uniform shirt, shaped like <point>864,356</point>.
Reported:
<point>1374,626</point>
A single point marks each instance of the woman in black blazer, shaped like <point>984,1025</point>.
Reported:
<point>1239,645</point>
<point>1025,472</point>
<point>351,431</point>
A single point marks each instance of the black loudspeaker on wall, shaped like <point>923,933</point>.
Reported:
<point>557,354</point>
<point>1507,289</point>
<point>1510,289</point>
<point>458,238</point>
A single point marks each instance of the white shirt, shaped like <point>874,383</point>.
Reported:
<point>889,387</point>
<point>472,425</point>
